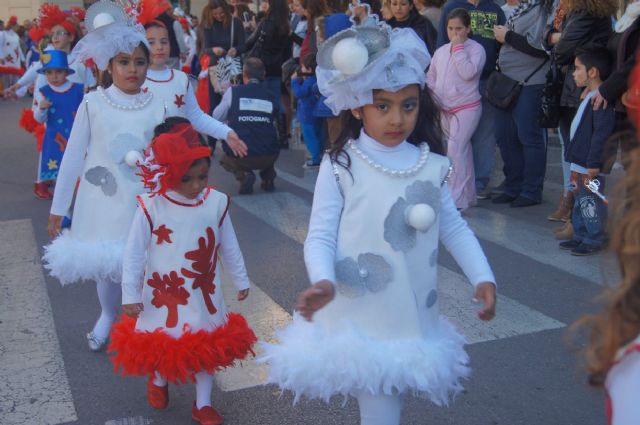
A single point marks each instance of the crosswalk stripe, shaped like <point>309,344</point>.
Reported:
<point>456,293</point>
<point>34,388</point>
<point>134,420</point>
<point>265,316</point>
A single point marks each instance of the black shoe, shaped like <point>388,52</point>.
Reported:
<point>569,245</point>
<point>584,249</point>
<point>522,201</point>
<point>503,198</point>
<point>267,185</point>
<point>246,185</point>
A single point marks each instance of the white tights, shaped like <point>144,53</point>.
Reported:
<point>379,409</point>
<point>109,295</point>
<point>204,387</point>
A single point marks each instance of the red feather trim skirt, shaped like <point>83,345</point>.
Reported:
<point>178,360</point>
<point>11,70</point>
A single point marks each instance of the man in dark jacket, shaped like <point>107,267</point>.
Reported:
<point>250,110</point>
<point>485,14</point>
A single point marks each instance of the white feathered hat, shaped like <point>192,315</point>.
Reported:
<point>113,28</point>
<point>360,59</point>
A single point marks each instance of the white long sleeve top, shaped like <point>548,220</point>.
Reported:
<point>320,245</point>
<point>135,254</point>
<point>76,150</point>
<point>202,122</point>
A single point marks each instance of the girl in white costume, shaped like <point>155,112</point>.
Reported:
<point>171,284</point>
<point>112,128</point>
<point>175,88</point>
<point>380,206</point>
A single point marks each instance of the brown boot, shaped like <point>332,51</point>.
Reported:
<point>563,213</point>
<point>565,232</point>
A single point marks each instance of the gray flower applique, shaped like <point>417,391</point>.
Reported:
<point>370,273</point>
<point>126,145</point>
<point>100,176</point>
<point>415,212</point>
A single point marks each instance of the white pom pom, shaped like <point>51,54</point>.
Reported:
<point>132,158</point>
<point>350,56</point>
<point>420,216</point>
<point>102,19</point>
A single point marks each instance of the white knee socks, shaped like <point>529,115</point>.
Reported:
<point>204,386</point>
<point>379,409</point>
<point>109,295</point>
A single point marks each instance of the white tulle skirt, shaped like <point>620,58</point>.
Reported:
<point>71,260</point>
<point>315,363</point>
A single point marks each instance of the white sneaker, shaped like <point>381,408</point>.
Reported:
<point>95,344</point>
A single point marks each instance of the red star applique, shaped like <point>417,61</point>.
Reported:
<point>145,89</point>
<point>9,59</point>
<point>163,233</point>
<point>179,100</point>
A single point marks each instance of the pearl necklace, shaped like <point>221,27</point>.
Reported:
<point>424,153</point>
<point>139,102</point>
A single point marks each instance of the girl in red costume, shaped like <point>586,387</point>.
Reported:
<point>178,327</point>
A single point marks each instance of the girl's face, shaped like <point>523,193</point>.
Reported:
<point>158,39</point>
<point>392,117</point>
<point>455,28</point>
<point>195,180</point>
<point>129,71</point>
<point>297,8</point>
<point>61,38</point>
<point>218,14</point>
<point>401,9</point>
<point>56,77</point>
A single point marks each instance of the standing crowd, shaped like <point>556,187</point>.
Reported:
<point>413,97</point>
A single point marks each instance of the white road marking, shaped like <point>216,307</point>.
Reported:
<point>136,420</point>
<point>455,291</point>
<point>265,316</point>
<point>308,182</point>
<point>34,387</point>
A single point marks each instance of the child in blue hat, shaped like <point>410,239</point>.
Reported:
<point>55,105</point>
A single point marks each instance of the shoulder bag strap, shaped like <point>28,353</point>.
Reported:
<point>535,70</point>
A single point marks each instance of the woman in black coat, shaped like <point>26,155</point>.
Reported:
<point>405,15</point>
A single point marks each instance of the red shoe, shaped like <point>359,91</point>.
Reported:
<point>158,397</point>
<point>206,416</point>
<point>42,191</point>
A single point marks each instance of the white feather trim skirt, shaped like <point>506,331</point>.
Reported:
<point>311,362</point>
<point>71,260</point>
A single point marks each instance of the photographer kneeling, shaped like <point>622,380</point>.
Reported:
<point>250,110</point>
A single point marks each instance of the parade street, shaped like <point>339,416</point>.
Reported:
<point>525,370</point>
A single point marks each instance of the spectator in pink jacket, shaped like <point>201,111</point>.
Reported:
<point>453,77</point>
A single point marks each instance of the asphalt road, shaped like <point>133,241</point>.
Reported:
<point>524,371</point>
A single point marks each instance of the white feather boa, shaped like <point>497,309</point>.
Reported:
<point>313,362</point>
<point>71,260</point>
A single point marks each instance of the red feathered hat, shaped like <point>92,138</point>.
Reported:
<point>36,34</point>
<point>169,157</point>
<point>13,20</point>
<point>148,10</point>
<point>51,15</point>
<point>77,13</point>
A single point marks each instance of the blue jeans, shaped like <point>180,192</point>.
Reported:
<point>483,142</point>
<point>312,133</point>
<point>274,86</point>
<point>589,214</point>
<point>523,145</point>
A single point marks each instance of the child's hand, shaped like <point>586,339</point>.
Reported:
<point>314,298</point>
<point>54,226</point>
<point>486,294</point>
<point>45,103</point>
<point>132,310</point>
<point>242,295</point>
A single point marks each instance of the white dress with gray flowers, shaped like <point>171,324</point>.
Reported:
<point>106,200</point>
<point>382,333</point>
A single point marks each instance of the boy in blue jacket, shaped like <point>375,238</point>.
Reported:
<point>304,86</point>
<point>590,130</point>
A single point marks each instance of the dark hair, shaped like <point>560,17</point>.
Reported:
<point>462,14</point>
<point>596,57</point>
<point>279,13</point>
<point>171,122</point>
<point>309,61</point>
<point>156,24</point>
<point>428,129</point>
<point>314,10</point>
<point>105,79</point>
<point>254,68</point>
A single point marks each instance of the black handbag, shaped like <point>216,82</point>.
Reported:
<point>549,112</point>
<point>503,92</point>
